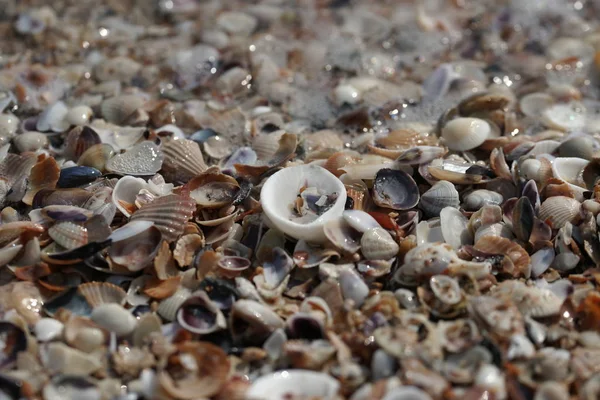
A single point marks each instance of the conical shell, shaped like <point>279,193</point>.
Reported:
<point>441,195</point>
<point>68,234</point>
<point>97,293</point>
<point>183,161</point>
<point>169,214</point>
<point>559,210</point>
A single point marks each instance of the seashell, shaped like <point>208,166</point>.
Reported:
<point>280,192</point>
<point>339,160</point>
<point>148,324</point>
<point>79,140</point>
<point>564,116</point>
<point>213,190</point>
<point>62,359</point>
<point>47,329</point>
<point>353,287</point>
<point>135,252</point>
<point>168,307</point>
<point>44,175</point>
<point>298,383</point>
<point>142,159</point>
<point>499,245</point>
<point>114,318</point>
<point>266,145</point>
<point>118,109</point>
<point>53,118</point>
<point>198,314</point>
<point>395,189</point>
<point>83,334</point>
<point>169,214</point>
<point>186,248</point>
<point>7,254</point>
<point>12,230</point>
<point>237,23</point>
<point>495,229</point>
<point>9,124</point>
<point>360,220</point>
<point>65,197</point>
<point>97,156</point>
<point>97,293</point>
<point>406,393</point>
<point>125,191</point>
<point>578,147</point>
<point>454,228</point>
<point>420,155</point>
<point>79,115</point>
<point>119,68</point>
<point>77,176</point>
<point>217,147</point>
<point>458,172</point>
<point>481,197</point>
<point>68,234</point>
<point>243,156</point>
<point>534,104</point>
<point>30,141</point>
<point>252,322</point>
<point>378,244</point>
<point>570,170</point>
<point>203,381</point>
<point>463,134</point>
<point>286,150</point>
<point>341,235</point>
<point>307,256</point>
<point>161,289</point>
<point>558,210</point>
<point>183,160</point>
<point>442,194</point>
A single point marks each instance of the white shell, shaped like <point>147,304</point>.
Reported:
<point>47,329</point>
<point>126,190</point>
<point>463,134</point>
<point>302,383</point>
<point>143,159</point>
<point>62,359</point>
<point>378,244</point>
<point>559,210</point>
<point>406,393</point>
<point>455,228</point>
<point>441,194</point>
<point>237,23</point>
<point>30,141</point>
<point>569,170</point>
<point>534,104</point>
<point>79,115</point>
<point>8,125</point>
<point>53,118</point>
<point>114,318</point>
<point>360,220</point>
<point>565,117</point>
<point>353,287</point>
<point>279,193</point>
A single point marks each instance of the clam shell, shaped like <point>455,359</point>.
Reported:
<point>301,383</point>
<point>114,318</point>
<point>169,214</point>
<point>198,314</point>
<point>281,189</point>
<point>463,134</point>
<point>97,293</point>
<point>138,251</point>
<point>360,220</point>
<point>442,194</point>
<point>378,244</point>
<point>558,210</point>
<point>481,197</point>
<point>97,156</point>
<point>342,236</point>
<point>253,322</point>
<point>143,159</point>
<point>30,141</point>
<point>169,306</point>
<point>499,245</point>
<point>395,189</point>
<point>79,115</point>
<point>454,227</point>
<point>183,160</point>
<point>212,190</point>
<point>125,191</point>
<point>118,109</point>
<point>68,234</point>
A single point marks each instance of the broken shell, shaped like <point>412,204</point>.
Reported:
<point>454,227</point>
<point>169,214</point>
<point>97,293</point>
<point>570,170</point>
<point>114,318</point>
<point>252,322</point>
<point>212,190</point>
<point>47,329</point>
<point>136,252</point>
<point>97,156</point>
<point>124,193</point>
<point>62,359</point>
<point>378,244</point>
<point>186,248</point>
<point>442,194</point>
<point>198,314</point>
<point>281,190</point>
<point>519,258</point>
<point>463,134</point>
<point>341,235</point>
<point>395,189</point>
<point>301,383</point>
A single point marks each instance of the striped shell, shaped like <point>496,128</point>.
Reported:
<point>169,214</point>
<point>97,293</point>
<point>559,210</point>
<point>68,234</point>
<point>183,161</point>
<point>499,245</point>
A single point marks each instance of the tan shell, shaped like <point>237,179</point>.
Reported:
<point>161,289</point>
<point>69,235</point>
<point>499,245</point>
<point>186,248</point>
<point>211,190</point>
<point>83,334</point>
<point>339,160</point>
<point>405,138</point>
<point>117,109</point>
<point>169,214</point>
<point>183,160</point>
<point>164,263</point>
<point>97,293</point>
<point>62,359</point>
<point>43,175</point>
<point>559,210</point>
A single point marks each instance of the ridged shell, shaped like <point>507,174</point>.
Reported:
<point>499,245</point>
<point>169,214</point>
<point>559,210</point>
<point>442,194</point>
<point>169,306</point>
<point>378,244</point>
<point>96,293</point>
<point>186,248</point>
<point>68,234</point>
<point>183,161</point>
<point>117,109</point>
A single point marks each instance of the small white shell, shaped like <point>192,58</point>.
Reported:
<point>125,191</point>
<point>8,125</point>
<point>62,359</point>
<point>302,383</point>
<point>378,244</point>
<point>47,329</point>
<point>114,318</point>
<point>30,141</point>
<point>360,220</point>
<point>353,286</point>
<point>53,118</point>
<point>455,228</point>
<point>279,193</point>
<point>534,104</point>
<point>565,117</point>
<point>79,115</point>
<point>237,23</point>
<point>463,134</point>
<point>570,169</point>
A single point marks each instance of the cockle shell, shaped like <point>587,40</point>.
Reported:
<point>558,210</point>
<point>442,194</point>
<point>169,214</point>
<point>183,160</point>
<point>378,244</point>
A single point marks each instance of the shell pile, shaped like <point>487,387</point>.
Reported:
<point>309,199</point>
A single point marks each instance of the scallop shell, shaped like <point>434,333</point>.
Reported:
<point>499,245</point>
<point>558,210</point>
<point>96,293</point>
<point>442,194</point>
<point>44,175</point>
<point>463,134</point>
<point>169,214</point>
<point>68,234</point>
<point>117,109</point>
<point>183,160</point>
<point>142,159</point>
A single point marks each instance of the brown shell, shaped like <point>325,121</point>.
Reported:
<point>79,140</point>
<point>499,245</point>
<point>169,214</point>
<point>161,289</point>
<point>97,293</point>
<point>183,160</point>
<point>405,138</point>
<point>43,175</point>
<point>186,249</point>
<point>339,160</point>
<point>164,263</point>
